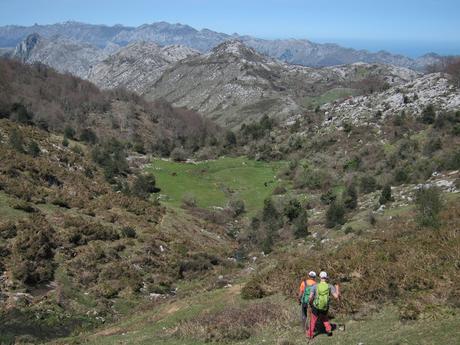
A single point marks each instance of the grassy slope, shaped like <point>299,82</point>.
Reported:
<point>157,325</point>
<point>328,96</point>
<point>213,183</point>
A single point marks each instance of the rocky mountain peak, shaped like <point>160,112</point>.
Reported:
<point>237,49</point>
<point>24,49</point>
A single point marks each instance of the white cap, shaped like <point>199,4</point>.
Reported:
<point>312,274</point>
<point>323,275</point>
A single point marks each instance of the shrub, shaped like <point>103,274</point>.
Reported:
<point>128,232</point>
<point>20,114</point>
<point>33,252</point>
<point>65,142</point>
<point>17,141</point>
<point>7,230</point>
<point>252,290</point>
<point>368,184</point>
<point>328,197</point>
<point>178,155</point>
<point>428,115</point>
<point>350,197</point>
<point>428,203</point>
<point>189,200</point>
<point>292,209</point>
<point>433,145</point>
<point>279,190</point>
<point>69,132</point>
<point>25,206</point>
<point>144,185</point>
<point>88,136</point>
<point>301,225</point>
<point>237,206</point>
<point>401,176</point>
<point>386,195</point>
<point>335,214</point>
<point>33,149</point>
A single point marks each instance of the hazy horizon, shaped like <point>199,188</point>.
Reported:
<point>411,28</point>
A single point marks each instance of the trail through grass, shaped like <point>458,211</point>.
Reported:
<point>214,183</point>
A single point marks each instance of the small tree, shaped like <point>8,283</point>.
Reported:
<point>69,132</point>
<point>33,149</point>
<point>368,184</point>
<point>428,115</point>
<point>386,195</point>
<point>143,186</point>
<point>335,214</point>
<point>292,209</point>
<point>301,225</point>
<point>350,197</point>
<point>429,203</point>
<point>230,139</point>
<point>17,141</point>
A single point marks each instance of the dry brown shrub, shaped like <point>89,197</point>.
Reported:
<point>236,323</point>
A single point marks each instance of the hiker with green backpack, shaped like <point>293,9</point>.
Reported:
<point>319,300</point>
<point>303,298</point>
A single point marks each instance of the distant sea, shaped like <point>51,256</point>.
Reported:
<point>412,49</point>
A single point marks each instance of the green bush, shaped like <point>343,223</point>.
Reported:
<point>143,186</point>
<point>386,195</point>
<point>368,184</point>
<point>292,209</point>
<point>350,197</point>
<point>335,214</point>
<point>428,203</point>
<point>17,141</point>
<point>128,232</point>
<point>33,149</point>
<point>428,115</point>
<point>69,132</point>
<point>301,225</point>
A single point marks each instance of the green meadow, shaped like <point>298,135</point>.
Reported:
<point>214,183</point>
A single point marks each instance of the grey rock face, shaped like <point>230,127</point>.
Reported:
<point>63,55</point>
<point>411,97</point>
<point>137,65</point>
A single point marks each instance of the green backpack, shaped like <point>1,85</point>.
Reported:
<point>306,292</point>
<point>321,301</point>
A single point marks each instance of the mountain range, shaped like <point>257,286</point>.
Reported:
<point>293,51</point>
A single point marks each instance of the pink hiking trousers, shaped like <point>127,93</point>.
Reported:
<point>324,319</point>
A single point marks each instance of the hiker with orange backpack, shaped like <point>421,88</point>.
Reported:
<point>319,301</point>
<point>303,298</point>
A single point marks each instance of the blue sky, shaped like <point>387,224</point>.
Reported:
<point>411,27</point>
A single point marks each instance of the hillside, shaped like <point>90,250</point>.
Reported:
<point>246,85</point>
<point>136,66</point>
<point>74,252</point>
<point>56,102</point>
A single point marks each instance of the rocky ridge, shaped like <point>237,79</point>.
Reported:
<point>411,98</point>
<point>64,55</point>
<point>293,51</point>
<point>137,65</point>
<point>234,84</point>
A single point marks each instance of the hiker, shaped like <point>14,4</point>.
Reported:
<point>319,301</point>
<point>304,295</point>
